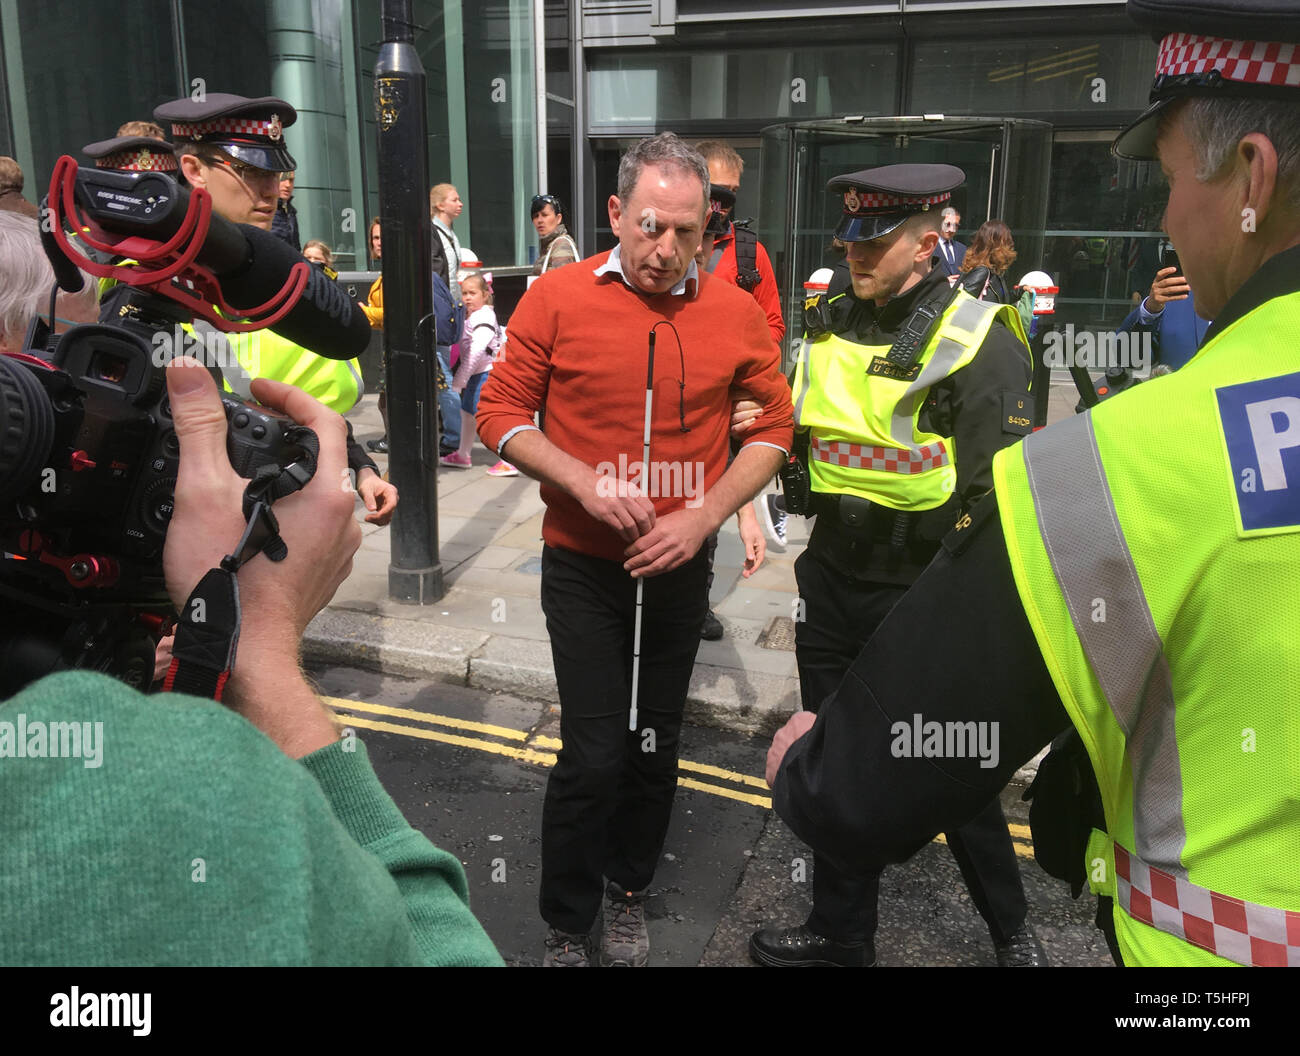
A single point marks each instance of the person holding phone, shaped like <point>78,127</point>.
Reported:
<point>1168,314</point>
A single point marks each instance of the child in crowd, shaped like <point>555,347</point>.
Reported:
<point>321,256</point>
<point>479,343</point>
<point>373,306</point>
<point>318,253</point>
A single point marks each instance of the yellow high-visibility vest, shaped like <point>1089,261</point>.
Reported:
<point>1154,543</point>
<point>863,411</point>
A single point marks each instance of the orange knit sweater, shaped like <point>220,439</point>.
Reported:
<point>577,342</point>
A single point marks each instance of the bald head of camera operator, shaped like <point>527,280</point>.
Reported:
<point>176,830</point>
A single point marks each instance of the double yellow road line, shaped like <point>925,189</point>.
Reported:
<point>539,750</point>
<point>536,749</point>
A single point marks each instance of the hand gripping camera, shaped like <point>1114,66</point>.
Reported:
<point>88,451</point>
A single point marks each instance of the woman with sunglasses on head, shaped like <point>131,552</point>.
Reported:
<point>555,246</point>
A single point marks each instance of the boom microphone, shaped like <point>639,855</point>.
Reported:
<point>324,320</point>
<point>251,265</point>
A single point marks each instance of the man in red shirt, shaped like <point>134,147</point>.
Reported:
<point>740,259</point>
<point>578,346</point>
<point>725,170</point>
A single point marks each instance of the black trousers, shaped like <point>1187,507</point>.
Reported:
<point>610,796</point>
<point>841,614</point>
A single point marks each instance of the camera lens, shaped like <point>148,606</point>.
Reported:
<point>26,428</point>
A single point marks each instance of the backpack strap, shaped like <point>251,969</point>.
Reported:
<point>494,342</point>
<point>546,260</point>
<point>747,276</point>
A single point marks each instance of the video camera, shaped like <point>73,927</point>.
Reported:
<point>89,454</point>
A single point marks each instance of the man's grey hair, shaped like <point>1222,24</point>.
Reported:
<point>949,211</point>
<point>1214,127</point>
<point>26,276</point>
<point>667,151</point>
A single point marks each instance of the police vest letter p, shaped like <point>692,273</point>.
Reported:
<point>1269,441</point>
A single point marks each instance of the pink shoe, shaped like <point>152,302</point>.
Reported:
<point>502,469</point>
<point>456,460</point>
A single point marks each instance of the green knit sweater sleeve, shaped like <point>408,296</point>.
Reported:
<point>168,830</point>
<point>431,882</point>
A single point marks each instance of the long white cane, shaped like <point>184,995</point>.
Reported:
<point>640,583</point>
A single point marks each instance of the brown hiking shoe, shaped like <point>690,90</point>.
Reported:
<point>624,940</point>
<point>566,950</point>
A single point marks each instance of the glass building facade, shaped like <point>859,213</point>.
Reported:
<point>118,59</point>
<point>526,96</point>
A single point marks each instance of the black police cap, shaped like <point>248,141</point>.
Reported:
<point>1225,49</point>
<point>876,201</point>
<point>249,130</point>
<point>132,154</point>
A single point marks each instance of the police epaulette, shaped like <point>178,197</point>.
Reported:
<point>915,332</point>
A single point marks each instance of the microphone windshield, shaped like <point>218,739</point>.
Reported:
<point>325,320</point>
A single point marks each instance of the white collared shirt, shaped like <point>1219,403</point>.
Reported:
<point>615,265</point>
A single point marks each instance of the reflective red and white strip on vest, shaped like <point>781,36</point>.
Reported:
<point>1244,932</point>
<point>882,459</point>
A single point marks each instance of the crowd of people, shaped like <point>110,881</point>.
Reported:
<point>961,569</point>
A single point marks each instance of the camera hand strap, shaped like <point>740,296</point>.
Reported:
<point>207,631</point>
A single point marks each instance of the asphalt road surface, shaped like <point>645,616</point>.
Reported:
<point>469,769</point>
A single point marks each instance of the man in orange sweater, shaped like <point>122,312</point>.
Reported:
<point>578,349</point>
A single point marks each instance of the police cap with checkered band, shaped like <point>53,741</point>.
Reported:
<point>249,130</point>
<point>1215,49</point>
<point>132,154</point>
<point>876,201</point>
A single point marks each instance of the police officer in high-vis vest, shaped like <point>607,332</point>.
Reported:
<point>234,148</point>
<point>904,391</point>
<point>1133,579</point>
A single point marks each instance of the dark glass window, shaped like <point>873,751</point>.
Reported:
<point>664,88</point>
<point>81,83</point>
<point>229,46</point>
<point>1032,78</point>
<point>1103,228</point>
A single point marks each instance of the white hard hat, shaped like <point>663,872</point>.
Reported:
<point>820,277</point>
<point>469,264</point>
<point>1045,291</point>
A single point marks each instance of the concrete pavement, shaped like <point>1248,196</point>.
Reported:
<point>488,631</point>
